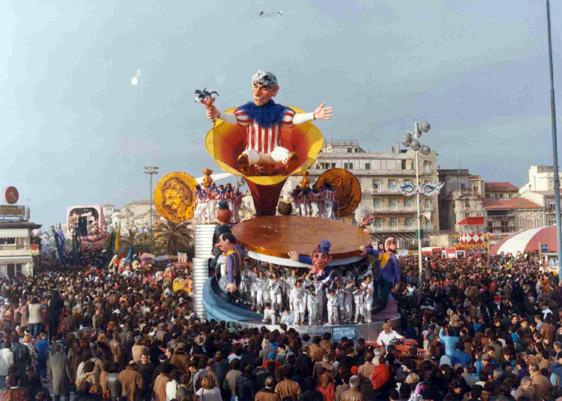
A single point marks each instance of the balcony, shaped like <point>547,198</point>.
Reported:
<point>381,191</point>
<point>394,210</point>
<point>387,229</point>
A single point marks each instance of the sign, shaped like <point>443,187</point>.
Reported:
<point>11,195</point>
<point>12,211</point>
<point>544,248</point>
<point>344,331</point>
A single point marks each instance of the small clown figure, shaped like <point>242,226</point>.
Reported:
<point>263,121</point>
<point>319,259</point>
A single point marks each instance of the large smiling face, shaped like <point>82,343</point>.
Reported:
<point>262,94</point>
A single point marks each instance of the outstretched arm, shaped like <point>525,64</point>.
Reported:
<point>322,112</point>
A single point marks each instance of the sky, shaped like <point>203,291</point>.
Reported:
<point>75,131</point>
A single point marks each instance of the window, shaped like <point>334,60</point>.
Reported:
<point>8,241</point>
<point>378,222</point>
<point>403,164</point>
<point>393,222</point>
<point>409,222</point>
<point>392,203</point>
<point>392,185</point>
<point>376,185</point>
<point>367,166</point>
<point>377,203</point>
<point>426,167</point>
<point>348,166</point>
<point>349,150</point>
<point>408,203</point>
<point>332,165</point>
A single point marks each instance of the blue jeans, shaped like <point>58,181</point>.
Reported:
<point>383,291</point>
<point>35,329</point>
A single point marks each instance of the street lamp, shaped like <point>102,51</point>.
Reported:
<point>150,171</point>
<point>412,140</point>
<point>556,176</point>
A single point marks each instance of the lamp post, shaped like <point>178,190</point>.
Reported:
<point>556,177</point>
<point>150,171</point>
<point>412,140</point>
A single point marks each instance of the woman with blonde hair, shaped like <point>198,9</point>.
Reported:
<point>209,390</point>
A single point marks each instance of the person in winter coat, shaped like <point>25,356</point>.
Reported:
<point>57,368</point>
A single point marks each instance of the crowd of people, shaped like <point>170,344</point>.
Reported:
<point>479,328</point>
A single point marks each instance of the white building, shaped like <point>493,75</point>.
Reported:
<point>16,246</point>
<point>540,190</point>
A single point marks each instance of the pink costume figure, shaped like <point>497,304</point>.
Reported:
<point>263,120</point>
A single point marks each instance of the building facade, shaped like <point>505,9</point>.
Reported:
<point>380,174</point>
<point>540,190</point>
<point>17,245</point>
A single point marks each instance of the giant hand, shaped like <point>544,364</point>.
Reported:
<point>323,112</point>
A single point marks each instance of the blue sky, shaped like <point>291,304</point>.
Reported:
<point>75,131</point>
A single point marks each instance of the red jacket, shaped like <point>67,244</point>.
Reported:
<point>380,375</point>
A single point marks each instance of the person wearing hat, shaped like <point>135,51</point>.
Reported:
<point>264,122</point>
<point>319,259</point>
<point>389,267</point>
<point>227,245</point>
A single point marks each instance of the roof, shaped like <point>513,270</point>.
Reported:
<point>472,221</point>
<point>500,186</point>
<point>19,224</point>
<point>527,241</point>
<point>513,203</point>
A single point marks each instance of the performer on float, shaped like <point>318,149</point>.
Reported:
<point>368,296</point>
<point>263,120</point>
<point>358,303</point>
<point>389,265</point>
<point>202,205</point>
<point>313,201</point>
<point>237,204</point>
<point>227,244</point>
<point>332,306</point>
<point>229,195</point>
<point>319,259</point>
<point>306,201</point>
<point>329,201</point>
<point>212,195</point>
<point>269,314</point>
<point>298,302</point>
<point>295,196</point>
<point>347,291</point>
<point>275,293</point>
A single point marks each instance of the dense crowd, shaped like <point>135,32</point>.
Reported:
<point>485,329</point>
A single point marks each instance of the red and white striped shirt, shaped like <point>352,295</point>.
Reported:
<point>263,140</point>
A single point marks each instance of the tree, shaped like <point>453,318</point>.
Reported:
<point>171,238</point>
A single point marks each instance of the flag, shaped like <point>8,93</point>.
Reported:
<point>118,240</point>
<point>129,257</point>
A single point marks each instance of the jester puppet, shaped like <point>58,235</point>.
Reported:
<point>263,121</point>
<point>319,259</point>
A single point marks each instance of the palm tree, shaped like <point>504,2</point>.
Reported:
<point>173,237</point>
<point>130,238</point>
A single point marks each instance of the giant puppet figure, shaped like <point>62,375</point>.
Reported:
<point>263,141</point>
<point>263,120</point>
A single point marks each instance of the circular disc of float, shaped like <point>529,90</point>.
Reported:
<point>347,188</point>
<point>174,196</point>
<point>271,238</point>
